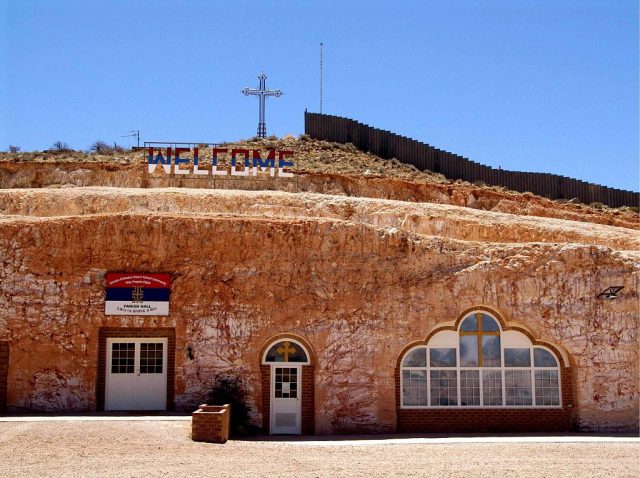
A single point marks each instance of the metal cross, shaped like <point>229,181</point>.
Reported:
<point>262,93</point>
<point>286,349</point>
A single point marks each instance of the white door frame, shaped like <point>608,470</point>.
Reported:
<point>158,400</point>
<point>297,430</point>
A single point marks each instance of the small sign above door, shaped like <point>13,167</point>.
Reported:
<point>137,294</point>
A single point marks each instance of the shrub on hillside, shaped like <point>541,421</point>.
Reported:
<point>60,146</point>
<point>100,147</point>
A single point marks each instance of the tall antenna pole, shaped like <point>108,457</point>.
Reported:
<point>321,48</point>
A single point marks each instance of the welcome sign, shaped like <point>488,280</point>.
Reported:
<point>192,161</point>
<point>137,294</point>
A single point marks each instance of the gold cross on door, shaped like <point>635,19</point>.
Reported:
<point>286,349</point>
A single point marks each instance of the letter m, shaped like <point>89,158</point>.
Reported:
<point>259,164</point>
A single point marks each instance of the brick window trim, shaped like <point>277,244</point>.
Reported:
<point>479,419</point>
<point>308,398</point>
<point>135,332</point>
<point>4,369</point>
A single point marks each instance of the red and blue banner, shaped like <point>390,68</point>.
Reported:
<point>137,294</point>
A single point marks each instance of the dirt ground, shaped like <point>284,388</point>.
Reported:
<point>157,448</point>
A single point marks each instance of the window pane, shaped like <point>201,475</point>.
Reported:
<point>297,355</point>
<point>468,350</point>
<point>491,388</point>
<point>151,357</point>
<point>272,356</point>
<point>416,358</point>
<point>442,357</point>
<point>414,388</point>
<point>405,387</point>
<point>470,324</point>
<point>543,358</point>
<point>547,388</point>
<point>517,357</point>
<point>469,387</point>
<point>444,387</point>
<point>489,325</point>
<point>122,357</point>
<point>490,350</point>
<point>518,387</point>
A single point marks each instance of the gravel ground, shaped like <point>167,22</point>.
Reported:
<point>122,449</point>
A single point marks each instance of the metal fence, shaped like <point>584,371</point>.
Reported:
<point>389,145</point>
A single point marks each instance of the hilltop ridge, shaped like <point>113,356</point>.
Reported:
<point>320,166</point>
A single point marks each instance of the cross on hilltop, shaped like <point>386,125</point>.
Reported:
<point>262,94</point>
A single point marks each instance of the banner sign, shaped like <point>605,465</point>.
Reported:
<point>137,294</point>
<point>214,162</point>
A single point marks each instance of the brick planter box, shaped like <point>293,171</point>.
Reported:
<point>210,423</point>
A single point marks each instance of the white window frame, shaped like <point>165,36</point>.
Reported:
<point>532,369</point>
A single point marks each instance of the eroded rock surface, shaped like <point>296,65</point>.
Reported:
<point>358,278</point>
<point>421,218</point>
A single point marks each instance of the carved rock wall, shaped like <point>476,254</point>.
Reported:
<point>421,218</point>
<point>247,266</point>
<point>132,175</point>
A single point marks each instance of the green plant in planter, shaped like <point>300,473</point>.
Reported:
<point>227,389</point>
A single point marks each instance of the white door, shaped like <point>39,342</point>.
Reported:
<point>136,376</point>
<point>286,400</point>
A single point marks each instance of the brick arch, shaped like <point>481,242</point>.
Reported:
<point>280,337</point>
<point>456,419</point>
<point>308,384</point>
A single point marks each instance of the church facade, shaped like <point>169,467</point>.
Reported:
<point>337,324</point>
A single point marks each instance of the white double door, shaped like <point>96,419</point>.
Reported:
<point>136,377</point>
<point>286,399</point>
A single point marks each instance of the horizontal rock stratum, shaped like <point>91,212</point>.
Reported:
<point>420,218</point>
<point>359,278</point>
<point>320,167</point>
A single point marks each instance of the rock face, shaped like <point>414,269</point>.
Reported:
<point>359,279</point>
<point>312,174</point>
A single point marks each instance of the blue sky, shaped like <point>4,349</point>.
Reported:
<point>525,85</point>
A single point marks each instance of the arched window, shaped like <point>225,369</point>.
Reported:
<point>286,350</point>
<point>479,365</point>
